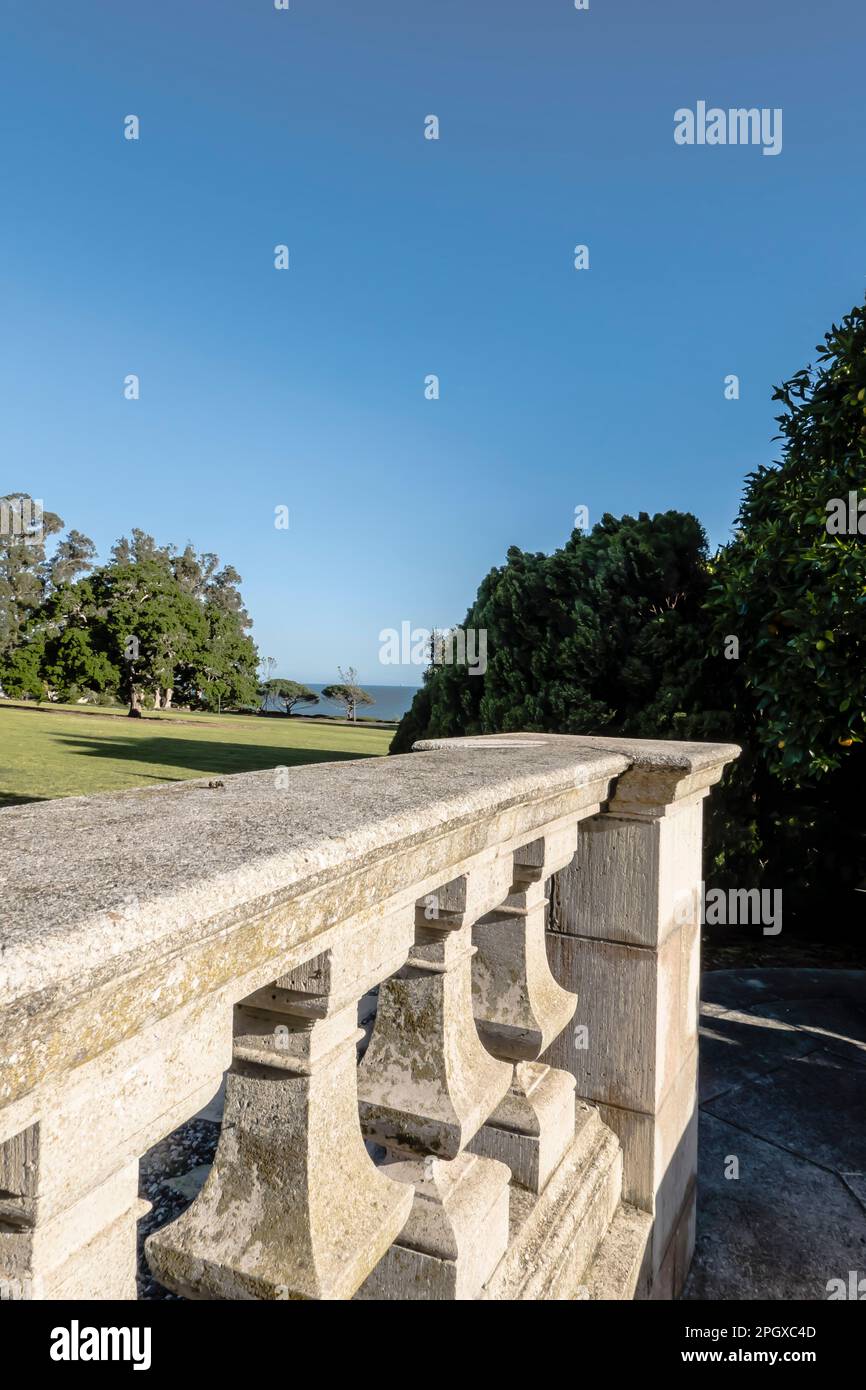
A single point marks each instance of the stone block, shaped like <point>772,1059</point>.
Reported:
<point>456,1234</point>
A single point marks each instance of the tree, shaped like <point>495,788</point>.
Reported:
<point>292,693</point>
<point>152,623</point>
<point>180,623</point>
<point>74,553</point>
<point>69,631</point>
<point>73,666</point>
<point>792,585</point>
<point>348,692</point>
<point>27,576</point>
<point>228,672</point>
<point>635,630</point>
<point>266,667</point>
<point>22,677</point>
<point>791,589</point>
<point>157,629</point>
<point>607,634</point>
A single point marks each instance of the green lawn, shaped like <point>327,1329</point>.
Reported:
<point>44,754</point>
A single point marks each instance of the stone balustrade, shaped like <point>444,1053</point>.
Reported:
<point>521,1123</point>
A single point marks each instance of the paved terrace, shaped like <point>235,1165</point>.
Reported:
<point>783,1090</point>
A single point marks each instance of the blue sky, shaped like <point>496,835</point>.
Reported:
<point>305,388</point>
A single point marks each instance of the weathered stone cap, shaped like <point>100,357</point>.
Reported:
<point>643,753</point>
<point>93,886</point>
<point>660,772</point>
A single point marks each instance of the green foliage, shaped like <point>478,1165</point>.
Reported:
<point>794,595</point>
<point>27,576</point>
<point>291,693</point>
<point>607,634</point>
<point>154,626</point>
<point>625,631</point>
<point>157,630</point>
<point>22,671</point>
<point>73,666</point>
<point>793,592</point>
<point>347,692</point>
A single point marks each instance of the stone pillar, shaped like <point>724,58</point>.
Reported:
<point>426,1086</point>
<point>626,935</point>
<point>294,1207</point>
<point>519,1010</point>
<point>59,1238</point>
<point>69,1163</point>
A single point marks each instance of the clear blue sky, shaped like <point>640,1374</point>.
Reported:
<point>408,257</point>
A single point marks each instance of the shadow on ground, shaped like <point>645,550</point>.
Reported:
<point>202,756</point>
<point>782,1157</point>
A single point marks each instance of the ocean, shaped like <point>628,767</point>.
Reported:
<point>390,701</point>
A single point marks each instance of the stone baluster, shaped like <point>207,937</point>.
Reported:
<point>519,1010</point>
<point>426,1086</point>
<point>294,1207</point>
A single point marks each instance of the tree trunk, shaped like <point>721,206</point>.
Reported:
<point>156,698</point>
<point>169,692</point>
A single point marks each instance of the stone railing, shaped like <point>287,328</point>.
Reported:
<point>154,938</point>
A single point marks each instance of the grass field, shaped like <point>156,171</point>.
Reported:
<point>44,753</point>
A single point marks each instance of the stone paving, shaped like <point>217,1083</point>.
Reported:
<point>783,1092</point>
